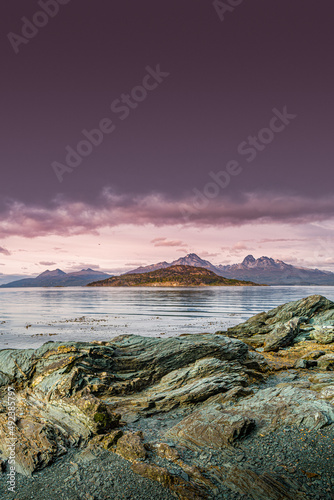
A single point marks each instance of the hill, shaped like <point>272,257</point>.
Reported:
<point>172,276</point>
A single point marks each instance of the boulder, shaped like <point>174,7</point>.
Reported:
<point>185,490</point>
<point>282,335</point>
<point>307,313</point>
<point>130,446</point>
<point>323,335</point>
<point>262,486</point>
<point>326,362</point>
<point>111,438</point>
<point>211,427</point>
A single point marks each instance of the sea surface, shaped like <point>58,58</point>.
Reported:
<point>29,317</point>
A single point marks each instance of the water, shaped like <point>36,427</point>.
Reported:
<point>31,316</point>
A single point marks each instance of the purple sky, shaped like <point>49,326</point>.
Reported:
<point>224,80</point>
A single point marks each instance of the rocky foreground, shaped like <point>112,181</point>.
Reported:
<point>246,413</point>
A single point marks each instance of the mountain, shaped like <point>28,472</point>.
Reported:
<point>59,278</point>
<point>147,269</point>
<point>263,270</point>
<point>275,272</point>
<point>7,278</point>
<point>178,275</point>
<point>189,260</point>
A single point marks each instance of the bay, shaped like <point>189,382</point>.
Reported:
<point>30,317</point>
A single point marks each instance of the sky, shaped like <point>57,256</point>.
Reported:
<point>137,132</point>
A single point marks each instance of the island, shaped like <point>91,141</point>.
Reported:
<point>173,276</point>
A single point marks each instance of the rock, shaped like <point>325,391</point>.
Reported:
<point>305,363</point>
<point>184,489</point>
<point>211,427</point>
<point>327,393</point>
<point>323,335</point>
<point>111,438</point>
<point>261,487</point>
<point>59,386</point>
<point>217,389</point>
<point>130,446</point>
<point>313,355</point>
<point>281,336</point>
<point>165,451</point>
<point>311,311</point>
<point>102,418</point>
<point>276,407</point>
<point>326,362</point>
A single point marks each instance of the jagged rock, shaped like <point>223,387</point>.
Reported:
<point>261,487</point>
<point>59,386</point>
<point>282,335</point>
<point>274,407</point>
<point>309,360</point>
<point>80,394</point>
<point>217,425</point>
<point>165,451</point>
<point>130,446</point>
<point>327,393</point>
<point>326,362</point>
<point>305,363</point>
<point>111,438</point>
<point>313,355</point>
<point>184,490</point>
<point>211,427</point>
<point>312,311</point>
<point>323,335</point>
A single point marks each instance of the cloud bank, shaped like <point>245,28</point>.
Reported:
<point>68,218</point>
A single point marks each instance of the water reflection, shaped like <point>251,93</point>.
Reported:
<point>101,313</point>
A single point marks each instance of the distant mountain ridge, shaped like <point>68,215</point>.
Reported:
<point>276,272</point>
<point>57,277</point>
<point>177,275</point>
<point>262,270</point>
<point>189,260</point>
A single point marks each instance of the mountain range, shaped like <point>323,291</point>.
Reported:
<point>263,270</point>
<point>59,278</point>
<point>178,275</point>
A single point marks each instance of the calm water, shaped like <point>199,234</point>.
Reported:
<point>29,317</point>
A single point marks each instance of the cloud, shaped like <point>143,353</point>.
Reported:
<point>237,249</point>
<point>78,266</point>
<point>47,263</point>
<point>4,251</point>
<point>163,242</point>
<point>278,240</point>
<point>208,254</point>
<point>68,218</point>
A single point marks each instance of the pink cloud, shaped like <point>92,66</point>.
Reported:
<point>67,218</point>
<point>163,242</point>
<point>4,251</point>
<point>205,254</point>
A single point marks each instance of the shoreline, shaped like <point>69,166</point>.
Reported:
<point>246,411</point>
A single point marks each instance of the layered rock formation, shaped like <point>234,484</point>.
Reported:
<point>161,402</point>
